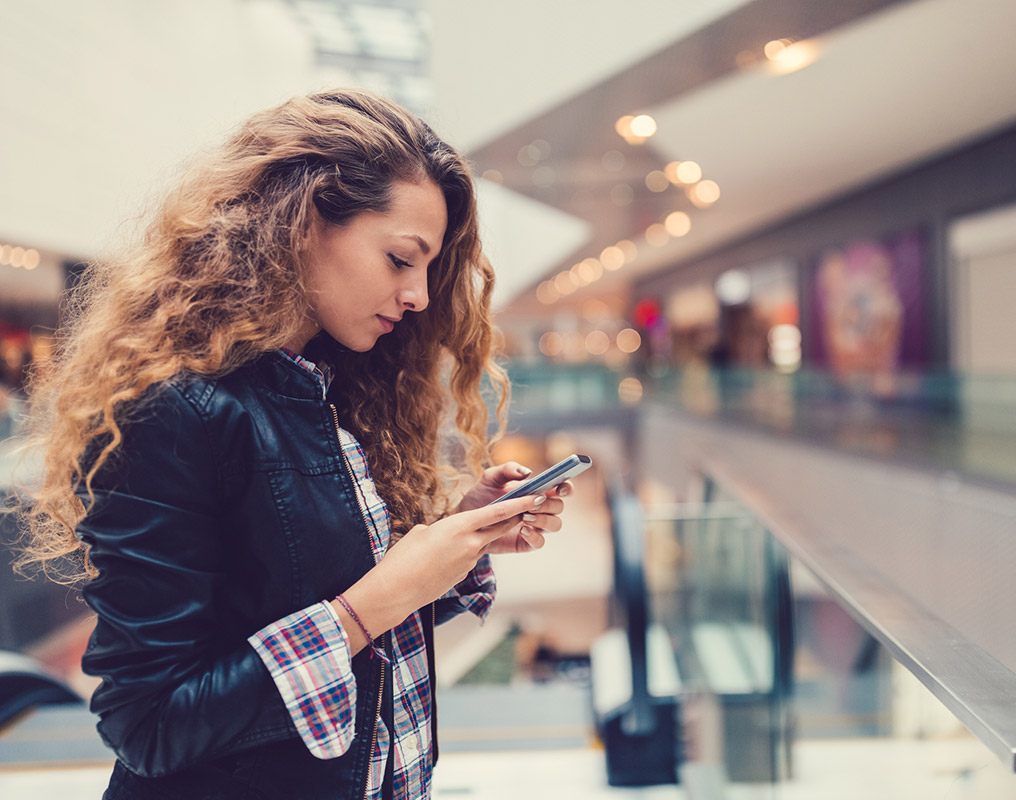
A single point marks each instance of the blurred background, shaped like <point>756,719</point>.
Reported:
<point>756,257</point>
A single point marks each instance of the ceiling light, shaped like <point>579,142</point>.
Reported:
<point>706,192</point>
<point>733,287</point>
<point>656,235</point>
<point>630,250</point>
<point>547,293</point>
<point>594,309</point>
<point>628,340</point>
<point>656,181</point>
<point>643,126</point>
<point>551,344</point>
<point>591,269</point>
<point>597,343</point>
<point>629,391</point>
<point>623,126</point>
<point>689,172</point>
<point>792,58</point>
<point>677,223</point>
<point>774,48</point>
<point>578,276</point>
<point>612,257</point>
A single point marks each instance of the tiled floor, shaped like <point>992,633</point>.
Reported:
<point>832,770</point>
<point>546,775</point>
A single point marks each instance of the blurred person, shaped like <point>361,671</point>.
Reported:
<point>243,428</point>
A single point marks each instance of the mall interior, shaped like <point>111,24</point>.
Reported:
<point>753,258</point>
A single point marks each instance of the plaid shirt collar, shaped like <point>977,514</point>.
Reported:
<point>323,371</point>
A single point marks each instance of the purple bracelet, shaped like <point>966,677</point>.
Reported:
<point>349,610</point>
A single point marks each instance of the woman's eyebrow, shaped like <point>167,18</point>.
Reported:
<point>424,247</point>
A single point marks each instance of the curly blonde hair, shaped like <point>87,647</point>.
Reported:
<point>217,281</point>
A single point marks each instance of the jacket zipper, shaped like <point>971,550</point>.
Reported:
<point>381,685</point>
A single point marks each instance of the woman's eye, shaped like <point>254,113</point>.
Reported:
<point>398,262</point>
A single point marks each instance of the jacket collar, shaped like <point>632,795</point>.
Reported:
<point>284,376</point>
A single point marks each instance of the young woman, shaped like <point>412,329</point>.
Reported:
<point>248,430</point>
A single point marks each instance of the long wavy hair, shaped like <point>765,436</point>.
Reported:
<point>216,281</point>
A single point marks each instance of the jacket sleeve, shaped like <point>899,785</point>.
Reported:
<point>172,693</point>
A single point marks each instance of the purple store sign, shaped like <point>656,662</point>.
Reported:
<point>868,310</point>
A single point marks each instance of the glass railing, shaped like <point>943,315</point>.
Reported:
<point>966,424</point>
<point>785,695</point>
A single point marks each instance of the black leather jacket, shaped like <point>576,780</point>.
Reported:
<point>229,506</point>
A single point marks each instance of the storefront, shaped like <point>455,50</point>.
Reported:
<point>31,283</point>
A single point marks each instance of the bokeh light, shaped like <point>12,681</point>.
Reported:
<point>677,223</point>
<point>656,235</point>
<point>629,391</point>
<point>643,126</point>
<point>547,293</point>
<point>597,343</point>
<point>612,257</point>
<point>628,340</point>
<point>705,193</point>
<point>630,250</point>
<point>688,172</point>
<point>551,344</point>
<point>656,181</point>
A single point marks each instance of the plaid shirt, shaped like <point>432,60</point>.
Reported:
<point>308,656</point>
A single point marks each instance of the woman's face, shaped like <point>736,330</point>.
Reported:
<point>363,276</point>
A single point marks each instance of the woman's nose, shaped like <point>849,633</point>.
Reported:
<point>414,296</point>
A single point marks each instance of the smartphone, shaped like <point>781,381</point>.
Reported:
<point>548,479</point>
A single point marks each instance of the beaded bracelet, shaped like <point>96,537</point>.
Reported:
<point>349,610</point>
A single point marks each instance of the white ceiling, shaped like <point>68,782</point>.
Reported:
<point>889,91</point>
<point>497,64</point>
<point>894,88</point>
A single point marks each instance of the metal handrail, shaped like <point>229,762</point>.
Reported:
<point>975,686</point>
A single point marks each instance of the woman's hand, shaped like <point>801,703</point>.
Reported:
<point>431,559</point>
<point>493,483</point>
<point>496,481</point>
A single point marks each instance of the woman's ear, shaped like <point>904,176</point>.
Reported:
<point>314,228</point>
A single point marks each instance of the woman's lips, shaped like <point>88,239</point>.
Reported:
<point>386,323</point>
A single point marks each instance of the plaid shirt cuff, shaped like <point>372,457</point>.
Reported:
<point>307,655</point>
<point>475,593</point>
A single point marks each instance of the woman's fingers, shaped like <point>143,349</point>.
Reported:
<point>554,505</point>
<point>533,540</point>
<point>542,522</point>
<point>496,513</point>
<point>510,471</point>
<point>565,489</point>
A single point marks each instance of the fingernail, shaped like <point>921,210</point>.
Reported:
<point>563,490</point>
<point>526,530</point>
<point>540,500</point>
<point>529,517</point>
<point>525,471</point>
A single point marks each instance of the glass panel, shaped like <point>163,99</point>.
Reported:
<point>785,695</point>
<point>962,423</point>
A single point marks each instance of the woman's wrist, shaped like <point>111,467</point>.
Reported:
<point>368,609</point>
